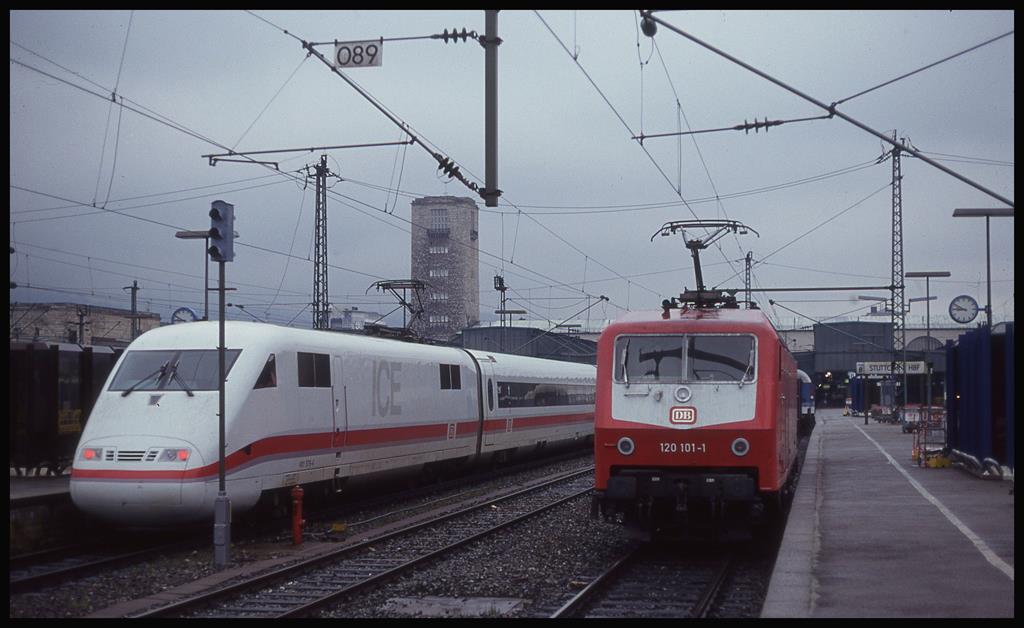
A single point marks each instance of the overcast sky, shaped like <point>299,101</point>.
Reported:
<point>98,190</point>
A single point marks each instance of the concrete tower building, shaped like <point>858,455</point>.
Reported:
<point>446,258</point>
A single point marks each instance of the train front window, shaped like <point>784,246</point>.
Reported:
<point>685,358</point>
<point>186,370</point>
<point>720,358</point>
<point>649,358</point>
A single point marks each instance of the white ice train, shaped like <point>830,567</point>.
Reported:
<point>305,407</point>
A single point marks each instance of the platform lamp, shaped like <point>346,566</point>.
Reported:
<point>928,326</point>
<point>975,212</point>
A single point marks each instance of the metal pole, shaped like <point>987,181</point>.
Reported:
<point>988,266</point>
<point>866,380</point>
<point>491,41</point>
<point>928,347</point>
<point>220,360</point>
<point>206,282</point>
<point>222,505</point>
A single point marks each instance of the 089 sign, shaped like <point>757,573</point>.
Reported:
<point>358,54</point>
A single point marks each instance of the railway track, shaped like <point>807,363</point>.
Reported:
<point>37,570</point>
<point>647,582</point>
<point>303,588</point>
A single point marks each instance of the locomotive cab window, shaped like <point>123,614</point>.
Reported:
<point>720,358</point>
<point>187,370</point>
<point>685,358</point>
<point>268,377</point>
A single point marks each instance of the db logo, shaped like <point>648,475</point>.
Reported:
<point>682,415</point>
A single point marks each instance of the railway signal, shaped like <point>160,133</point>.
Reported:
<point>222,231</point>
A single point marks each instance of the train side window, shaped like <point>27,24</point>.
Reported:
<point>268,378</point>
<point>532,395</point>
<point>314,370</point>
<point>490,395</point>
<point>322,364</point>
<point>451,376</point>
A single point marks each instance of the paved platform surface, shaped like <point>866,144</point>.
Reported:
<point>871,534</point>
<point>38,486</point>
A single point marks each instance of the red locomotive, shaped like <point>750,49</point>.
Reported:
<point>695,417</point>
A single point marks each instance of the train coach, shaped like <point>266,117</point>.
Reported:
<point>695,420</point>
<point>307,407</point>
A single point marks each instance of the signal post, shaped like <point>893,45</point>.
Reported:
<point>222,236</point>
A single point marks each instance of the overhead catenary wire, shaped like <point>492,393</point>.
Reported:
<point>621,119</point>
<point>183,129</point>
<point>830,108</point>
<point>141,196</point>
<point>446,163</point>
<point>834,328</point>
<point>170,123</point>
<point>762,258</point>
<point>570,210</point>
<point>921,69</point>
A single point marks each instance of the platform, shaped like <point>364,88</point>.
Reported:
<point>871,534</point>
<point>38,486</point>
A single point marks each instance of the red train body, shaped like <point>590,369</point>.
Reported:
<point>695,421</point>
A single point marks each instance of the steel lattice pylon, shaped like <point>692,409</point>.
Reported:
<point>321,308</point>
<point>898,309</point>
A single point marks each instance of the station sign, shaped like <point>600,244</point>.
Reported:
<point>885,368</point>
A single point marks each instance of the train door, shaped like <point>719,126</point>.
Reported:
<point>339,433</point>
<point>340,404</point>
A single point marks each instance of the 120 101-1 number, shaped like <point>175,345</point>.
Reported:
<point>683,448</point>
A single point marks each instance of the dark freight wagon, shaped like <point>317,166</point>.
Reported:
<point>52,388</point>
<point>980,404</point>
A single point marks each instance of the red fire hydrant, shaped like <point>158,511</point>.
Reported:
<point>297,520</point>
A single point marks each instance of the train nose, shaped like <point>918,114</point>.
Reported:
<point>145,482</point>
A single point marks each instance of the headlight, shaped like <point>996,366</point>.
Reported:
<point>90,453</point>
<point>172,455</point>
<point>625,446</point>
<point>740,447</point>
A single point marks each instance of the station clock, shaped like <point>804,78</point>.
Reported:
<point>963,309</point>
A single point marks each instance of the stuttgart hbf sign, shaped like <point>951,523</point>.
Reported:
<point>885,368</point>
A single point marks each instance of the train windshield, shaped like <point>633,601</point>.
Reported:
<point>187,370</point>
<point>687,358</point>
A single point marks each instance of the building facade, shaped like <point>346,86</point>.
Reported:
<point>445,257</point>
<point>77,323</point>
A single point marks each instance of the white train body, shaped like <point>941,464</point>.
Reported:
<point>302,407</point>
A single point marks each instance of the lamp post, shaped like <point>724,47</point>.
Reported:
<point>201,235</point>
<point>928,327</point>
<point>974,212</point>
<point>885,310</point>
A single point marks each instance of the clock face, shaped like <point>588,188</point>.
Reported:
<point>963,309</point>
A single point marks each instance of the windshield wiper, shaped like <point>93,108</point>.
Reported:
<point>750,365</point>
<point>625,357</point>
<point>160,371</point>
<point>181,380</point>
